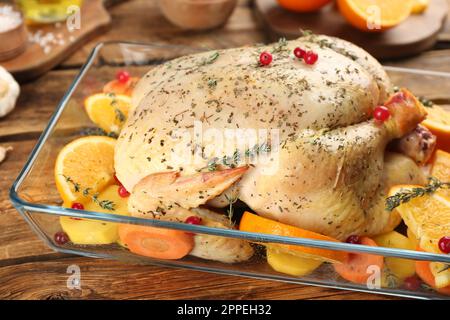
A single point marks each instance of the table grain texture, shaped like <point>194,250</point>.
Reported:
<point>30,270</point>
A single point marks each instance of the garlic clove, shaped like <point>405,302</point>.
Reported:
<point>3,152</point>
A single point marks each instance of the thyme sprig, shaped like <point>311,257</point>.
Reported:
<point>426,102</point>
<point>96,131</point>
<point>213,57</point>
<point>104,204</point>
<point>404,196</point>
<point>233,160</point>
<point>280,46</point>
<point>230,211</point>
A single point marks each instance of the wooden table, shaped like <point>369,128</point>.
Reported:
<point>30,270</point>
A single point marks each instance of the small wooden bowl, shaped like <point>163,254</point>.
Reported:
<point>13,42</point>
<point>197,14</point>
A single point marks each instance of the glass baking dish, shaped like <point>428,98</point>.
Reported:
<point>36,198</point>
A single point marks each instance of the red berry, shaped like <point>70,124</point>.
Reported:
<point>193,220</point>
<point>353,239</point>
<point>123,76</point>
<point>117,180</point>
<point>381,113</point>
<point>299,53</point>
<point>444,244</point>
<point>412,283</point>
<point>123,192</point>
<point>310,57</point>
<point>61,237</point>
<point>77,206</point>
<point>265,58</point>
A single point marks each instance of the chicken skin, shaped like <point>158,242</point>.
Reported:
<point>324,165</point>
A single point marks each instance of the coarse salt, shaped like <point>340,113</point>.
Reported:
<point>9,18</point>
<point>47,40</point>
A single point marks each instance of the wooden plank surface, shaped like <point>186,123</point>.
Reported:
<point>28,269</point>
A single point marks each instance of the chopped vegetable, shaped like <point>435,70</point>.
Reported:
<point>156,242</point>
<point>356,268</point>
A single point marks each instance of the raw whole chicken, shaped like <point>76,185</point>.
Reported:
<point>323,163</point>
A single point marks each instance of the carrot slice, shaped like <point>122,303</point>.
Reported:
<point>116,87</point>
<point>424,272</point>
<point>252,223</point>
<point>156,242</point>
<point>356,268</point>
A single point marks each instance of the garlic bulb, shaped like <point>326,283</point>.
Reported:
<point>3,152</point>
<point>9,92</point>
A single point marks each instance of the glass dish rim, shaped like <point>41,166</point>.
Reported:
<point>20,204</point>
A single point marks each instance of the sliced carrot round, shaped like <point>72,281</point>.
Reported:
<point>156,242</point>
<point>424,272</point>
<point>253,223</point>
<point>357,268</point>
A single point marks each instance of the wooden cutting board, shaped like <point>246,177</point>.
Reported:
<point>37,60</point>
<point>418,33</point>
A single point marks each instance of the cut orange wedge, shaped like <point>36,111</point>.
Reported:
<point>107,110</point>
<point>441,170</point>
<point>375,15</point>
<point>84,167</point>
<point>303,5</point>
<point>438,121</point>
<point>254,223</point>
<point>427,217</point>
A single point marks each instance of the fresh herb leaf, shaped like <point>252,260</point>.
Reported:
<point>426,103</point>
<point>213,57</point>
<point>404,196</point>
<point>119,115</point>
<point>280,45</point>
<point>230,211</point>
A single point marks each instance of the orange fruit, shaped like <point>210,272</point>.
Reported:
<point>419,6</point>
<point>84,164</point>
<point>424,270</point>
<point>375,15</point>
<point>108,110</point>
<point>438,122</point>
<point>303,5</point>
<point>427,217</point>
<point>252,223</point>
<point>441,170</point>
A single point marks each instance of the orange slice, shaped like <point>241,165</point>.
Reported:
<point>303,5</point>
<point>107,110</point>
<point>427,217</point>
<point>253,223</point>
<point>441,170</point>
<point>375,15</point>
<point>438,121</point>
<point>419,6</point>
<point>84,164</point>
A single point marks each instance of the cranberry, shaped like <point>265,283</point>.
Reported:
<point>193,220</point>
<point>381,113</point>
<point>123,76</point>
<point>123,192</point>
<point>353,239</point>
<point>412,283</point>
<point>117,180</point>
<point>77,206</point>
<point>444,244</point>
<point>61,237</point>
<point>299,53</point>
<point>265,58</point>
<point>311,57</point>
